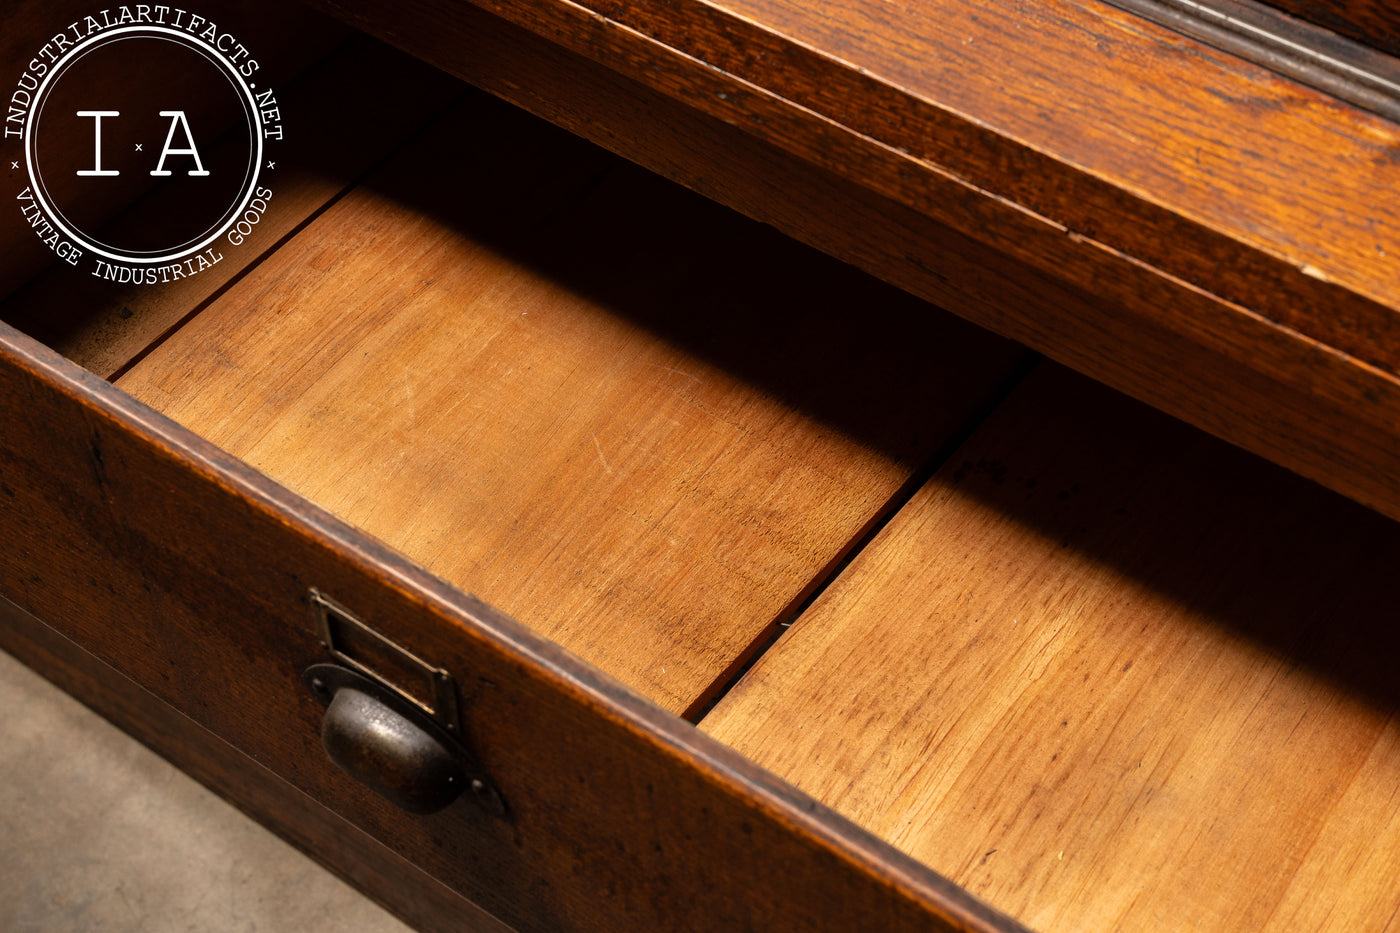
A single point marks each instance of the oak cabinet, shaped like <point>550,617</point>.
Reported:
<point>797,601</point>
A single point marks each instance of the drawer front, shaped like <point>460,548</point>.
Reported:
<point>189,573</point>
<point>365,863</point>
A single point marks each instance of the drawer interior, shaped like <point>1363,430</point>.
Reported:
<point>1099,669</point>
<point>633,420</point>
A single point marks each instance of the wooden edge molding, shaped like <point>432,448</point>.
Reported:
<point>1219,365</point>
<point>1374,23</point>
<point>184,569</point>
<point>980,141</point>
<point>1292,47</point>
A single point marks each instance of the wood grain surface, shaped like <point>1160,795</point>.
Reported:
<point>641,424</point>
<point>1108,674</point>
<point>104,326</point>
<point>188,572</point>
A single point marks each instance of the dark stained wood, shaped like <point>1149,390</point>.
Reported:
<point>1219,365</point>
<point>188,572</point>
<point>1053,130</point>
<point>361,860</point>
<point>103,326</point>
<point>1109,675</point>
<point>1375,22</point>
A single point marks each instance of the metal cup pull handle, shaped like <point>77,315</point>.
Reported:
<point>389,745</point>
<point>389,753</point>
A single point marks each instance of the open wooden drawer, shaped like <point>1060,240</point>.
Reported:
<point>1033,640</point>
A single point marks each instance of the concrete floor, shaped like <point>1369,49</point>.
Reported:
<point>99,833</point>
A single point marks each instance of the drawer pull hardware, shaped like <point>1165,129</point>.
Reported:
<point>401,747</point>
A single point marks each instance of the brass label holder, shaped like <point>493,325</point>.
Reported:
<point>342,632</point>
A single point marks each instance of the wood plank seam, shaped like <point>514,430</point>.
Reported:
<point>769,637</point>
<point>286,237</point>
<point>1126,575</point>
